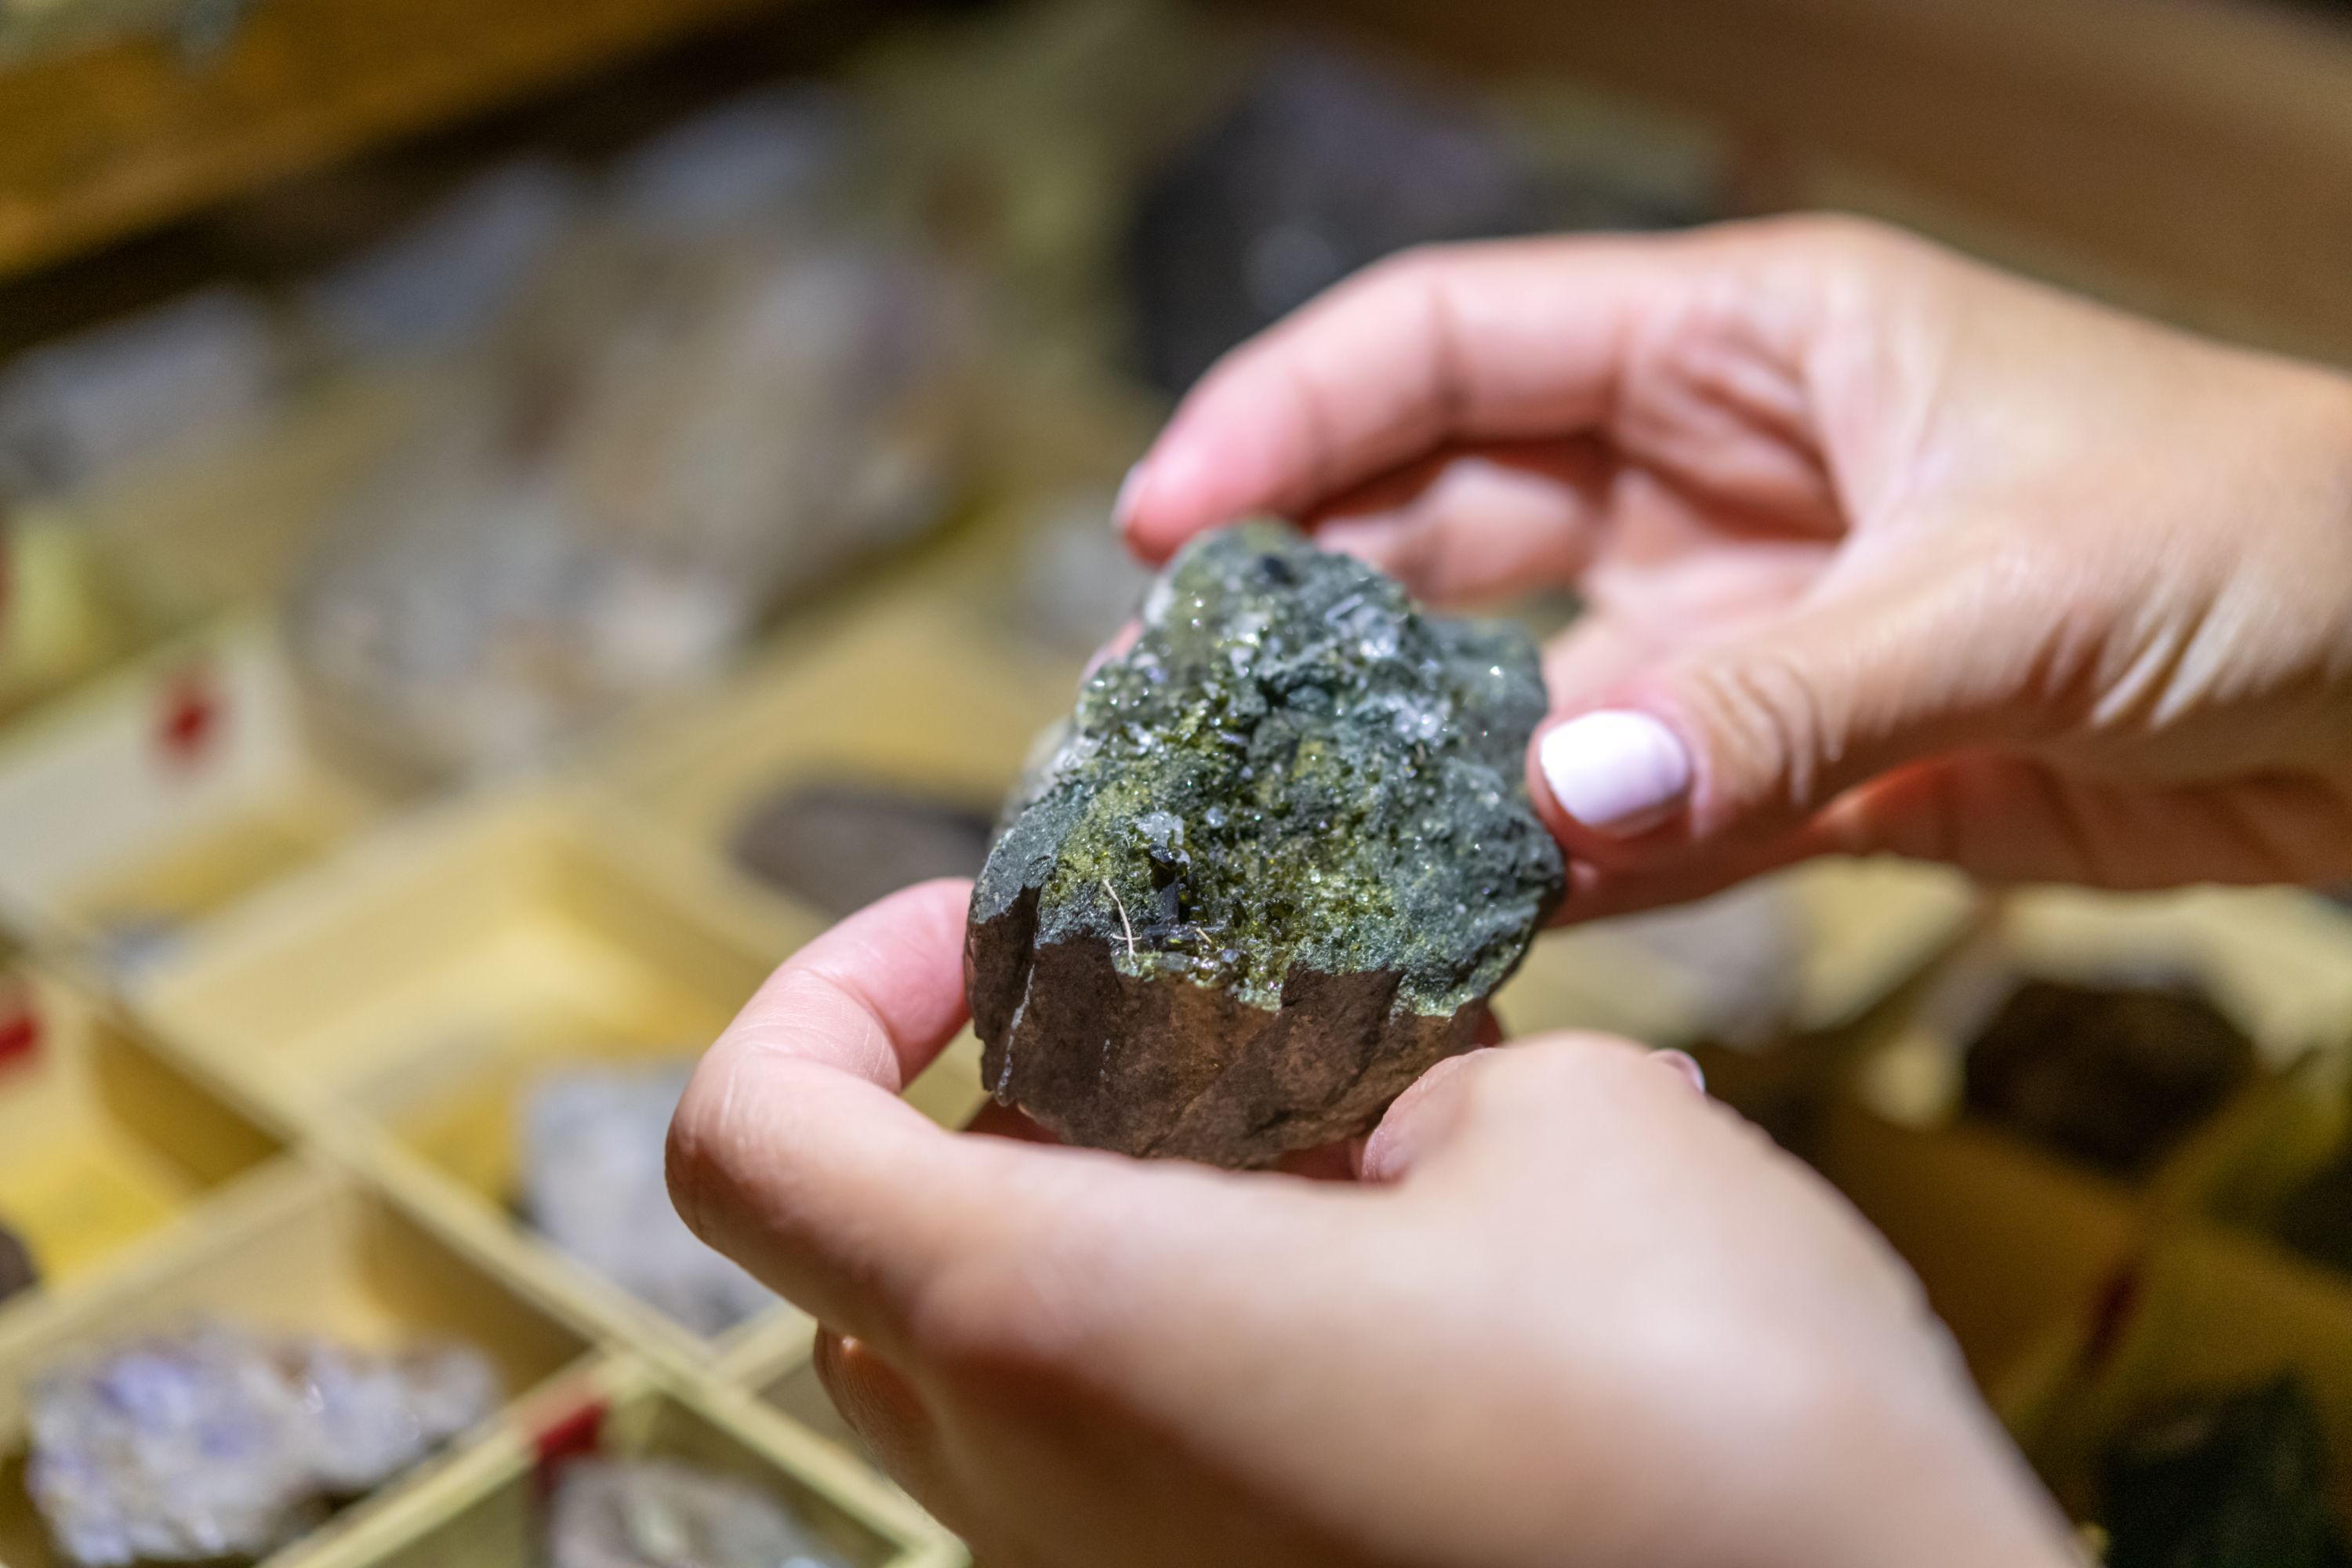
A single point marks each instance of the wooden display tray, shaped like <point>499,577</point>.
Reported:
<point>105,1141</point>
<point>910,694</point>
<point>163,794</point>
<point>2005,1240</point>
<point>300,1247</point>
<point>488,1512</point>
<point>2205,1312</point>
<point>102,143</point>
<point>449,961</point>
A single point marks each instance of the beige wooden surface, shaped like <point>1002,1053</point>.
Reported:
<point>98,144</point>
<point>2205,142</point>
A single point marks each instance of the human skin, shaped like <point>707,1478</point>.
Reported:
<point>1883,551</point>
<point>1573,1314</point>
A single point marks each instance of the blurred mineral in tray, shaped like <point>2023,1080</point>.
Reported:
<point>214,1441</point>
<point>660,1513</point>
<point>2238,1478</point>
<point>2114,1077</point>
<point>17,1273</point>
<point>841,845</point>
<point>594,1185</point>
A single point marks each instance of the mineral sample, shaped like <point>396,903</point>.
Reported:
<point>17,1271</point>
<point>211,1441</point>
<point>593,1143</point>
<point>656,1513</point>
<point>2113,1077</point>
<point>1283,854</point>
<point>842,845</point>
<point>2239,1481</point>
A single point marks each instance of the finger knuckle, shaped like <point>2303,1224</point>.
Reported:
<point>1773,732</point>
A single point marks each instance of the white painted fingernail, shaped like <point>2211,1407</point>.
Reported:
<point>1130,491</point>
<point>1684,1063</point>
<point>1615,772</point>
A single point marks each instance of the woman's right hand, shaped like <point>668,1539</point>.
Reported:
<point>1885,550</point>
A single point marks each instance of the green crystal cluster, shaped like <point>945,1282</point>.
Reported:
<point>1292,778</point>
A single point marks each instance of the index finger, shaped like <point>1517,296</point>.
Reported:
<point>1497,341</point>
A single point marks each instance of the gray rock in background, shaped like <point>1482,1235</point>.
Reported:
<point>593,1143</point>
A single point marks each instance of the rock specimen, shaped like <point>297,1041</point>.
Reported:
<point>1278,862</point>
<point>2227,1482</point>
<point>2114,1078</point>
<point>592,1185</point>
<point>214,1442</point>
<point>842,845</point>
<point>656,1513</point>
<point>16,1270</point>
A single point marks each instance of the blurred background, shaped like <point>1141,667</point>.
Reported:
<point>513,517</point>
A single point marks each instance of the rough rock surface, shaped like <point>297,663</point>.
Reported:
<point>1283,854</point>
<point>215,1442</point>
<point>656,1514</point>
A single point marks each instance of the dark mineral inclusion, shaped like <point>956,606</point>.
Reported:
<point>1282,854</point>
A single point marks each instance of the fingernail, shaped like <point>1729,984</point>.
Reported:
<point>1615,772</point>
<point>1684,1063</point>
<point>1130,491</point>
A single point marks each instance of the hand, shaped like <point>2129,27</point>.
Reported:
<point>1883,551</point>
<point>1577,1315</point>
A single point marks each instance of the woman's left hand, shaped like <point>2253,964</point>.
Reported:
<point>1574,1314</point>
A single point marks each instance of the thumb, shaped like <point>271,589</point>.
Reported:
<point>1738,740</point>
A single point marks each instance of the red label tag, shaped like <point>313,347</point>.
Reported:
<point>568,1437</point>
<point>2111,1314</point>
<point>20,1026</point>
<point>190,715</point>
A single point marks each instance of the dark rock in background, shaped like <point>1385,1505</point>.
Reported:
<point>2227,1482</point>
<point>660,1513</point>
<point>1274,870</point>
<point>2113,1077</point>
<point>842,845</point>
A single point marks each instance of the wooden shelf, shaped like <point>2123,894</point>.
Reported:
<point>97,145</point>
<point>2203,144</point>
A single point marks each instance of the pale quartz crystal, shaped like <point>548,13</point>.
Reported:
<point>211,1441</point>
<point>656,1514</point>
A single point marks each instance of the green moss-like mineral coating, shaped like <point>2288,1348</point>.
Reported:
<point>1293,767</point>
